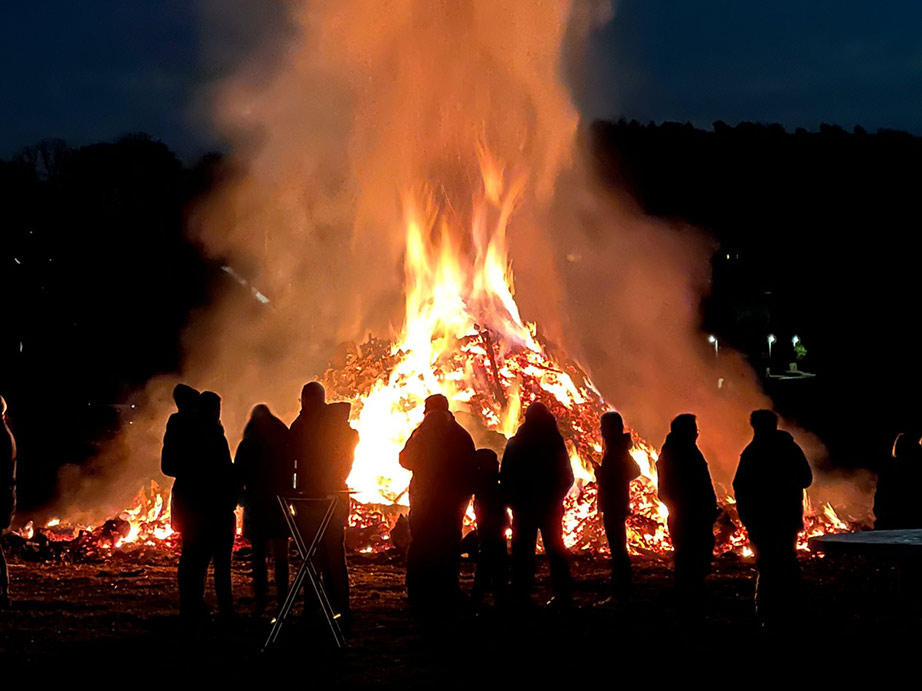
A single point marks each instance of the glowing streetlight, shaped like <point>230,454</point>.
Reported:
<point>713,340</point>
<point>795,341</point>
<point>771,339</point>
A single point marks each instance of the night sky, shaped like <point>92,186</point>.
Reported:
<point>92,72</point>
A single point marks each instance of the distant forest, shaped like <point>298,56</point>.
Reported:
<point>818,237</point>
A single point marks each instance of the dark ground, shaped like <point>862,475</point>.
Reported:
<point>119,618</point>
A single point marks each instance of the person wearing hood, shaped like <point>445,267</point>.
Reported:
<point>441,455</point>
<point>196,453</point>
<point>265,470</point>
<point>686,489</point>
<point>536,476</point>
<point>769,488</point>
<point>614,477</point>
<point>7,496</point>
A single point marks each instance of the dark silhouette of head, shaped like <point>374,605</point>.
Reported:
<point>486,461</point>
<point>260,412</point>
<point>763,421</point>
<point>436,402</point>
<point>313,396</point>
<point>685,426</point>
<point>538,413</point>
<point>612,426</point>
<point>185,397</point>
<point>209,405</point>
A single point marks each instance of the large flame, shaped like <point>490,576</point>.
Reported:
<point>371,146</point>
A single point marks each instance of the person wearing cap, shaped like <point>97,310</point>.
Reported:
<point>685,487</point>
<point>614,476</point>
<point>536,476</point>
<point>440,454</point>
<point>769,488</point>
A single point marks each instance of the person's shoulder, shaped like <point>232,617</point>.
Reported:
<point>786,441</point>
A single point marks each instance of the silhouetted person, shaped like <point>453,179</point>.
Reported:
<point>265,469</point>
<point>196,453</point>
<point>178,455</point>
<point>492,574</point>
<point>898,484</point>
<point>440,454</point>
<point>614,477</point>
<point>769,487</point>
<point>896,507</point>
<point>685,488</point>
<point>306,433</point>
<point>337,452</point>
<point>7,496</point>
<point>535,477</point>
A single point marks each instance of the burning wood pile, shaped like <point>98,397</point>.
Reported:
<point>463,337</point>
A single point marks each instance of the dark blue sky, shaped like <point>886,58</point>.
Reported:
<point>92,71</point>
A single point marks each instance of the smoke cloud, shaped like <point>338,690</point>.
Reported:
<point>355,104</point>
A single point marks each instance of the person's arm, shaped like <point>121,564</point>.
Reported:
<point>243,464</point>
<point>711,494</point>
<point>508,471</point>
<point>805,473</point>
<point>564,468</point>
<point>171,454</point>
<point>742,486</point>
<point>664,484</point>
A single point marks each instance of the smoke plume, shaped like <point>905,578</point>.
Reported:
<point>360,101</point>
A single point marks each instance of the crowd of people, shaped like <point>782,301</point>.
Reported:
<point>524,492</point>
<point>312,458</point>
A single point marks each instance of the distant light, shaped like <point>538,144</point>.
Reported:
<point>17,261</point>
<point>728,256</point>
<point>795,340</point>
<point>712,339</point>
<point>771,338</point>
<point>132,405</point>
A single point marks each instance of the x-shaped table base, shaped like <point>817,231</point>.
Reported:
<point>289,507</point>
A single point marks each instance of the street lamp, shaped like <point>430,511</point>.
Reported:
<point>795,341</point>
<point>771,339</point>
<point>713,339</point>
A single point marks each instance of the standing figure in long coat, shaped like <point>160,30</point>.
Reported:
<point>196,453</point>
<point>536,476</point>
<point>440,454</point>
<point>769,487</point>
<point>7,496</point>
<point>265,470</point>
<point>686,489</point>
<point>614,477</point>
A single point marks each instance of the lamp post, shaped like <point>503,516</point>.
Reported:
<point>713,340</point>
<point>771,339</point>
